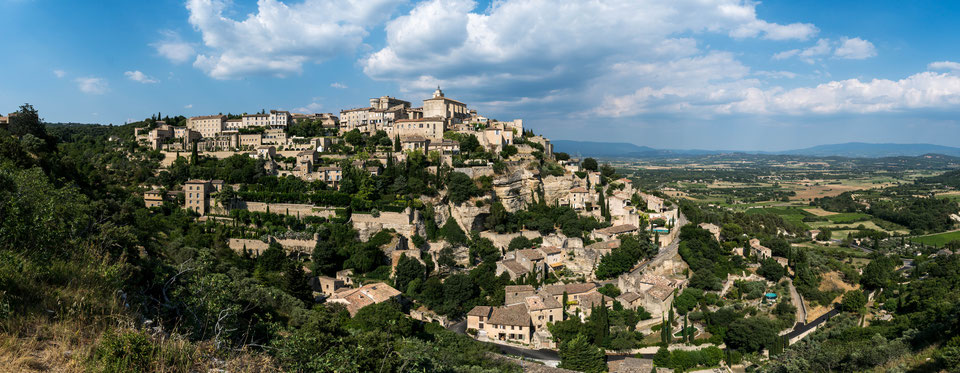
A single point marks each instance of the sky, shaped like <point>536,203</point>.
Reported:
<point>678,74</point>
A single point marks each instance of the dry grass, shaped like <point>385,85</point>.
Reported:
<point>819,211</point>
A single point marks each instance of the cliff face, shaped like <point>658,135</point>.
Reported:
<point>469,216</point>
<point>407,223</point>
<point>556,187</point>
<point>515,189</point>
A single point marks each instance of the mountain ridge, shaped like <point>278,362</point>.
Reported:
<point>848,149</point>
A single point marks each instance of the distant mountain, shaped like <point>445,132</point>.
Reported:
<point>850,149</point>
<point>867,150</point>
<point>599,149</point>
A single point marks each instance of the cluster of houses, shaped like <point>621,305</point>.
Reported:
<point>625,216</point>
<point>417,128</point>
<point>527,311</point>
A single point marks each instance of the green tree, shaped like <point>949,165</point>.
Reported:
<point>408,269</point>
<point>578,354</point>
<point>589,164</point>
<point>771,270</point>
<point>853,301</point>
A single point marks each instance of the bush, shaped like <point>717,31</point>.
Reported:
<point>124,352</point>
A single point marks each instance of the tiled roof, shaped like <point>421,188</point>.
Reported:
<point>629,297</point>
<point>518,288</point>
<point>605,245</point>
<point>510,315</point>
<point>550,250</point>
<point>578,190</point>
<point>428,119</point>
<point>618,229</point>
<point>531,254</point>
<point>660,292</point>
<point>514,267</point>
<point>483,311</point>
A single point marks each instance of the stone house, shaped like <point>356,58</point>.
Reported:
<point>356,299</point>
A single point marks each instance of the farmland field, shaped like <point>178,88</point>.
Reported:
<point>848,217</point>
<point>939,239</point>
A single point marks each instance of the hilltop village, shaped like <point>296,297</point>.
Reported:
<point>439,237</point>
<point>554,238</point>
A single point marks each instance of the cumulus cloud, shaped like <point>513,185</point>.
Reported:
<point>92,85</point>
<point>59,73</point>
<point>522,49</point>
<point>855,49</point>
<point>173,48</point>
<point>845,48</point>
<point>188,106</point>
<point>338,85</point>
<point>313,107</point>
<point>944,65</point>
<point>139,77</point>
<point>925,90</point>
<point>279,38</point>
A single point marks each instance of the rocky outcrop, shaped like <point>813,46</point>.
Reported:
<point>469,216</point>
<point>407,223</point>
<point>515,189</point>
<point>556,187</point>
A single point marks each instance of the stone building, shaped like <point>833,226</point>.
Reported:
<point>208,125</point>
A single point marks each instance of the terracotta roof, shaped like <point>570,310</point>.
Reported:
<point>618,229</point>
<point>579,190</point>
<point>541,302</point>
<point>550,250</point>
<point>428,119</point>
<point>444,99</point>
<point>365,295</point>
<point>413,138</point>
<point>483,311</point>
<point>629,297</point>
<point>578,288</point>
<point>660,292</point>
<point>605,245</point>
<point>510,315</point>
<point>531,254</point>
<point>514,267</point>
<point>307,152</point>
<point>357,109</point>
<point>328,168</point>
<point>256,115</point>
<point>210,117</point>
<point>518,288</point>
<point>593,299</point>
<point>195,181</point>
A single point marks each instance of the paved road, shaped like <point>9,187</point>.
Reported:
<point>546,356</point>
<point>667,252</point>
<point>798,303</point>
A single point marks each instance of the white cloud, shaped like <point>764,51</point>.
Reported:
<point>140,77</point>
<point>279,38</point>
<point>92,85</point>
<point>188,106</point>
<point>925,90</point>
<point>338,85</point>
<point>173,48</point>
<point>846,48</point>
<point>944,65</point>
<point>518,49</point>
<point>59,73</point>
<point>313,107</point>
<point>855,49</point>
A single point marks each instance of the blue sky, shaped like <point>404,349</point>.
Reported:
<point>708,74</point>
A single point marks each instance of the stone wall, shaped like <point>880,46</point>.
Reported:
<point>502,241</point>
<point>407,223</point>
<point>292,209</point>
<point>475,172</point>
<point>256,246</point>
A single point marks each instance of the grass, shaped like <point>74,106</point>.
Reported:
<point>938,239</point>
<point>789,214</point>
<point>848,217</point>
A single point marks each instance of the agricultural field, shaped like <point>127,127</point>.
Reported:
<point>938,240</point>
